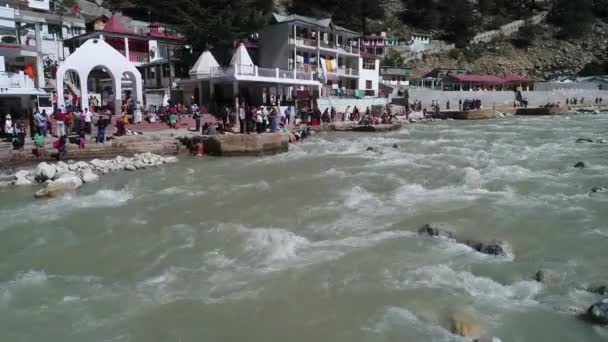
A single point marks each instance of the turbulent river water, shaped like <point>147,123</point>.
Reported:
<point>321,243</point>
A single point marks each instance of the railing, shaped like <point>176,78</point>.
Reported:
<point>370,92</point>
<point>348,71</point>
<point>252,70</point>
<point>328,45</point>
<point>264,72</point>
<point>303,42</point>
<point>306,68</point>
<point>139,57</point>
<point>349,49</point>
<point>15,80</point>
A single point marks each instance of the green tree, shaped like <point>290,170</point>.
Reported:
<point>393,58</point>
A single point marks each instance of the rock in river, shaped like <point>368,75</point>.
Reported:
<point>599,189</point>
<point>431,231</point>
<point>580,165</point>
<point>493,248</point>
<point>584,140</point>
<point>598,312</point>
<point>598,289</point>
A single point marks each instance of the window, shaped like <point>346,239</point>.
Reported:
<point>369,63</point>
<point>368,84</point>
<point>152,72</point>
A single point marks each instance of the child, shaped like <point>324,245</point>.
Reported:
<point>173,121</point>
<point>81,141</point>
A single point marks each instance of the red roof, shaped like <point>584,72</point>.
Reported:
<point>514,78</point>
<point>115,26</point>
<point>488,79</point>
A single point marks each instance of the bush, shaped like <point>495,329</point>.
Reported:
<point>526,35</point>
<point>455,54</point>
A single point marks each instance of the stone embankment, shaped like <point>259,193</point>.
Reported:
<point>62,177</point>
<point>119,146</point>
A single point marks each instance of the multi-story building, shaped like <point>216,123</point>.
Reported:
<point>32,46</point>
<point>395,75</point>
<point>334,53</point>
<point>380,44</point>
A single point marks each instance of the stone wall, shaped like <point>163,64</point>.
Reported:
<point>502,98</point>
<point>230,145</point>
<point>341,104</point>
<point>124,146</point>
<point>506,30</point>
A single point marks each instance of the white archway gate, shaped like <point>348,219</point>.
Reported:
<point>96,53</point>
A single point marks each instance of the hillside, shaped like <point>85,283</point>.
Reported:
<point>545,56</point>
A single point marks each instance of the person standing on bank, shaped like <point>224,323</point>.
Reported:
<point>196,115</point>
<point>60,121</point>
<point>242,117</point>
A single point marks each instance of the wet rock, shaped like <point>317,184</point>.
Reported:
<point>21,174</point>
<point>431,231</point>
<point>580,165</point>
<point>599,189</point>
<point>584,140</point>
<point>598,289</point>
<point>22,182</point>
<point>603,141</point>
<point>370,149</point>
<point>487,339</point>
<point>130,167</point>
<point>88,176</point>
<point>492,248</point>
<point>44,171</point>
<point>547,276</point>
<point>395,146</point>
<point>598,312</point>
<point>68,181</point>
<point>52,190</point>
<point>465,327</point>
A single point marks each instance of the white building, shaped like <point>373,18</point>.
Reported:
<point>332,52</point>
<point>215,86</point>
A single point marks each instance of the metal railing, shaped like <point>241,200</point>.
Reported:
<point>266,72</point>
<point>139,57</point>
<point>348,71</point>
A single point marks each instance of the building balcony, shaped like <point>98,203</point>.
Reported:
<point>344,71</point>
<point>12,80</point>
<point>252,72</point>
<point>303,42</point>
<point>139,57</point>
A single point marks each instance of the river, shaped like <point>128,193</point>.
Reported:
<point>321,243</point>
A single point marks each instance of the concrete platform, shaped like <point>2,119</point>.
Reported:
<point>231,145</point>
<point>539,111</point>
<point>481,114</point>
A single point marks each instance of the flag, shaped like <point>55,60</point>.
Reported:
<point>75,9</point>
<point>29,71</point>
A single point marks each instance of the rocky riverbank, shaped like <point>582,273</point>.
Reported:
<point>58,178</point>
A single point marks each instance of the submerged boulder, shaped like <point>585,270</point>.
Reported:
<point>598,312</point>
<point>465,327</point>
<point>598,289</point>
<point>431,231</point>
<point>88,176</point>
<point>395,146</point>
<point>599,189</point>
<point>580,165</point>
<point>492,248</point>
<point>547,276</point>
<point>584,140</point>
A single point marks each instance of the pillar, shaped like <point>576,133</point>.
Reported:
<point>84,90</point>
<point>39,66</point>
<point>127,48</point>
<point>295,54</point>
<point>117,93</point>
<point>237,105</point>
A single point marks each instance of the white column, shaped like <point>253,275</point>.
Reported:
<point>295,54</point>
<point>84,90</point>
<point>39,66</point>
<point>237,105</point>
<point>117,93</point>
<point>127,48</point>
